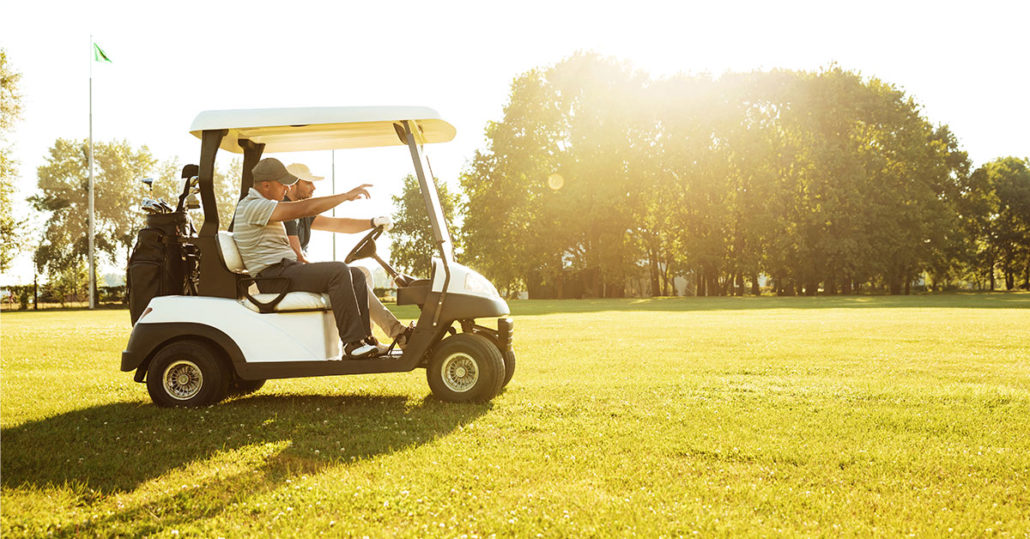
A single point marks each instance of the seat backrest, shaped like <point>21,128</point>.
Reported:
<point>230,252</point>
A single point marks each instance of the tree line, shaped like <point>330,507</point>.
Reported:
<point>806,182</point>
<point>599,175</point>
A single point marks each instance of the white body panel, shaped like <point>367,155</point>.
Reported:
<point>272,337</point>
<point>464,281</point>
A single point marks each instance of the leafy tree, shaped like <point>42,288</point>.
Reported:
<point>999,199</point>
<point>824,181</point>
<point>553,194</point>
<point>64,191</point>
<point>412,245</point>
<point>10,110</point>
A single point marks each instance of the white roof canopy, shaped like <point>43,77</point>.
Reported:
<point>321,128</point>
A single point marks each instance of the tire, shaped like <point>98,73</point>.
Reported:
<point>187,373</point>
<point>466,368</point>
<point>509,366</point>
<point>242,387</point>
<point>507,355</point>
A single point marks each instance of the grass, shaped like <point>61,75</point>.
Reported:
<point>723,416</point>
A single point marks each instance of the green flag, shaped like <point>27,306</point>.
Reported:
<point>99,55</point>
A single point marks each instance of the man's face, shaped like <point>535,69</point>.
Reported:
<point>301,190</point>
<point>271,190</point>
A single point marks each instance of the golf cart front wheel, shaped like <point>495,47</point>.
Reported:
<point>187,373</point>
<point>466,368</point>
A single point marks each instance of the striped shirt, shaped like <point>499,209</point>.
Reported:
<point>261,243</point>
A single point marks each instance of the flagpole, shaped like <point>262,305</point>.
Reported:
<point>92,263</point>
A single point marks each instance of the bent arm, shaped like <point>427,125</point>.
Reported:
<point>343,225</point>
<point>295,245</point>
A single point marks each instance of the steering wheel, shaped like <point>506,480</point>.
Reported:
<point>366,246</point>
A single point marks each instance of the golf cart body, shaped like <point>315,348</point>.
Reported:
<point>195,349</point>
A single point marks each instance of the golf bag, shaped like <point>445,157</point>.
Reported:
<point>162,263</point>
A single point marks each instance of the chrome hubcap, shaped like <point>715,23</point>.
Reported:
<point>183,380</point>
<point>460,372</point>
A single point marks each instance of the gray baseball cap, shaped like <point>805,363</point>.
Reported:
<point>271,169</point>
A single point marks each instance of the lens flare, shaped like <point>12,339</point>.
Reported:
<point>555,181</point>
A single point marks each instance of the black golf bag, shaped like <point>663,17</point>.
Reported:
<point>163,262</point>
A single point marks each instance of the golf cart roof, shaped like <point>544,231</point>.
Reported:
<point>320,128</point>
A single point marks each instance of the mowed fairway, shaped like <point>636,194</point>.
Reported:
<point>724,416</point>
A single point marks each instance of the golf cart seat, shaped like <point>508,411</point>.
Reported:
<point>264,303</point>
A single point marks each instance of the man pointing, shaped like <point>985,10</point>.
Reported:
<point>265,249</point>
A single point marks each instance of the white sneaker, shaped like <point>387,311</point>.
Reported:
<point>359,350</point>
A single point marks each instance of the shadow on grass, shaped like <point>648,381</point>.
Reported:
<point>1007,300</point>
<point>117,447</point>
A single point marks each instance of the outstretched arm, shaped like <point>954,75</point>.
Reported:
<point>285,211</point>
<point>344,225</point>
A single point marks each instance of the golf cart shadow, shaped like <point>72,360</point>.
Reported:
<point>266,439</point>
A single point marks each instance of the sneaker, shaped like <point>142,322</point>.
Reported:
<point>359,350</point>
<point>405,336</point>
<point>381,348</point>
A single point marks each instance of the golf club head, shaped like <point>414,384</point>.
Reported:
<point>149,182</point>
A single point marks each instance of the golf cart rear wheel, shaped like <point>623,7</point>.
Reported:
<point>466,368</point>
<point>187,373</point>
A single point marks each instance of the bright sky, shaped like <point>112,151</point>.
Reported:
<point>965,62</point>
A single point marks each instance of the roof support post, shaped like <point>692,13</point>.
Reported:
<point>208,150</point>
<point>251,155</point>
<point>215,279</point>
<point>441,236</point>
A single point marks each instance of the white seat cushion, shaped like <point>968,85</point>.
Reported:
<point>294,301</point>
<point>230,252</point>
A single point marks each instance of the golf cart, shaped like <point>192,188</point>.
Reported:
<point>217,336</point>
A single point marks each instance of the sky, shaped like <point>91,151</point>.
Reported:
<point>964,62</point>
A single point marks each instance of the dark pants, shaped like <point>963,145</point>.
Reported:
<point>345,286</point>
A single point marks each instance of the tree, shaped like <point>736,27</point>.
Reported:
<point>412,245</point>
<point>63,193</point>
<point>999,200</point>
<point>553,195</point>
<point>10,111</point>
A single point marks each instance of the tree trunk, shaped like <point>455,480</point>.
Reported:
<point>738,289</point>
<point>831,284</point>
<point>755,289</point>
<point>908,286</point>
<point>713,284</point>
<point>1010,280</point>
<point>655,285</point>
<point>699,285</point>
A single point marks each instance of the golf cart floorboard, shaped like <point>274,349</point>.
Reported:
<point>297,369</point>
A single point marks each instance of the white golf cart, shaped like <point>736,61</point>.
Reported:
<point>194,350</point>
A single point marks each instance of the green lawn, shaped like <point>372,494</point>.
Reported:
<point>723,416</point>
